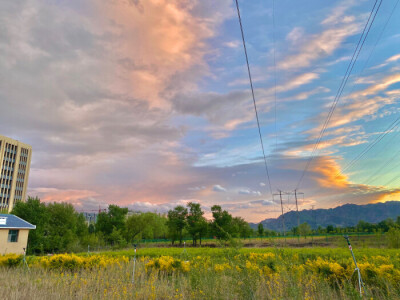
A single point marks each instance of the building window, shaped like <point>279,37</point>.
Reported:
<point>13,236</point>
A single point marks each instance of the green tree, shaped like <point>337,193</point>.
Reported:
<point>393,236</point>
<point>386,224</point>
<point>145,225</point>
<point>82,229</point>
<point>135,224</point>
<point>91,228</point>
<point>62,227</point>
<point>197,224</point>
<point>240,228</point>
<point>35,213</point>
<point>304,229</point>
<point>330,229</point>
<point>116,239</point>
<point>260,229</point>
<point>295,230</point>
<point>221,223</point>
<point>177,222</point>
<point>115,217</point>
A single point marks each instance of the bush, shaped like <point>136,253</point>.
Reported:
<point>393,236</point>
<point>10,260</point>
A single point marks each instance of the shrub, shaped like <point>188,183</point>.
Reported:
<point>393,236</point>
<point>10,260</point>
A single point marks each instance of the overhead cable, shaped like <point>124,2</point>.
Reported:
<point>379,138</point>
<point>254,99</point>
<point>343,83</point>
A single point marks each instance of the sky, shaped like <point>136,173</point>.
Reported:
<point>147,104</point>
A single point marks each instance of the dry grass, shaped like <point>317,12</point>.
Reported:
<point>217,274</point>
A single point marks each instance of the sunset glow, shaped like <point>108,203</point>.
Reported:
<point>146,104</point>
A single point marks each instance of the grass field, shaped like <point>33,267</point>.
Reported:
<point>204,273</point>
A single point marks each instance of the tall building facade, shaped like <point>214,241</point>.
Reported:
<point>15,161</point>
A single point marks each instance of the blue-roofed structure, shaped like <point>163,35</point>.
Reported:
<point>11,221</point>
<point>14,233</point>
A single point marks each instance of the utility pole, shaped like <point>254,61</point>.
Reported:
<point>283,217</point>
<point>315,219</point>
<point>315,225</point>
<point>280,194</point>
<point>298,214</point>
<point>297,209</point>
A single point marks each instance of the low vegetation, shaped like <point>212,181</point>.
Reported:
<point>203,273</point>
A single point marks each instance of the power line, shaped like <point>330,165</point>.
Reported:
<point>370,146</point>
<point>254,99</point>
<point>390,160</point>
<point>393,179</point>
<point>373,176</point>
<point>366,63</point>
<point>345,78</point>
<point>376,43</point>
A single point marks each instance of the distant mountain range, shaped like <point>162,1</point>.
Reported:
<point>341,216</point>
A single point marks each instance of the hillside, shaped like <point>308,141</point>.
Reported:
<point>341,216</point>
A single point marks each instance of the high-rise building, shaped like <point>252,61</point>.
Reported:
<point>15,161</point>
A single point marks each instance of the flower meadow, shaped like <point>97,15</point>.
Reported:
<point>203,273</point>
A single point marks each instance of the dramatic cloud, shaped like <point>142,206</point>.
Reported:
<point>146,104</point>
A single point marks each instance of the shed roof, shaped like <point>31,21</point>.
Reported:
<point>10,221</point>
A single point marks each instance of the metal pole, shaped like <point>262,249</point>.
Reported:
<point>24,259</point>
<point>283,217</point>
<point>298,216</point>
<point>134,266</point>
<point>360,281</point>
<point>315,224</point>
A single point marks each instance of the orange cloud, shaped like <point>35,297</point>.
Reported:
<point>389,196</point>
<point>329,174</point>
<point>156,40</point>
<point>384,84</point>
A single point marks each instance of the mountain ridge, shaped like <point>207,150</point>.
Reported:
<point>340,216</point>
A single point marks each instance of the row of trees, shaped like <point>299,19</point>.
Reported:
<point>223,226</point>
<point>59,228</point>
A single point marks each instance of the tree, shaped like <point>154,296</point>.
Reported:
<point>135,224</point>
<point>145,225</point>
<point>197,224</point>
<point>240,228</point>
<point>330,229</point>
<point>221,223</point>
<point>91,228</point>
<point>115,217</point>
<point>177,222</point>
<point>35,213</point>
<point>295,230</point>
<point>393,237</point>
<point>58,226</point>
<point>386,224</point>
<point>305,229</point>
<point>116,239</point>
<point>260,229</point>
<point>63,225</point>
